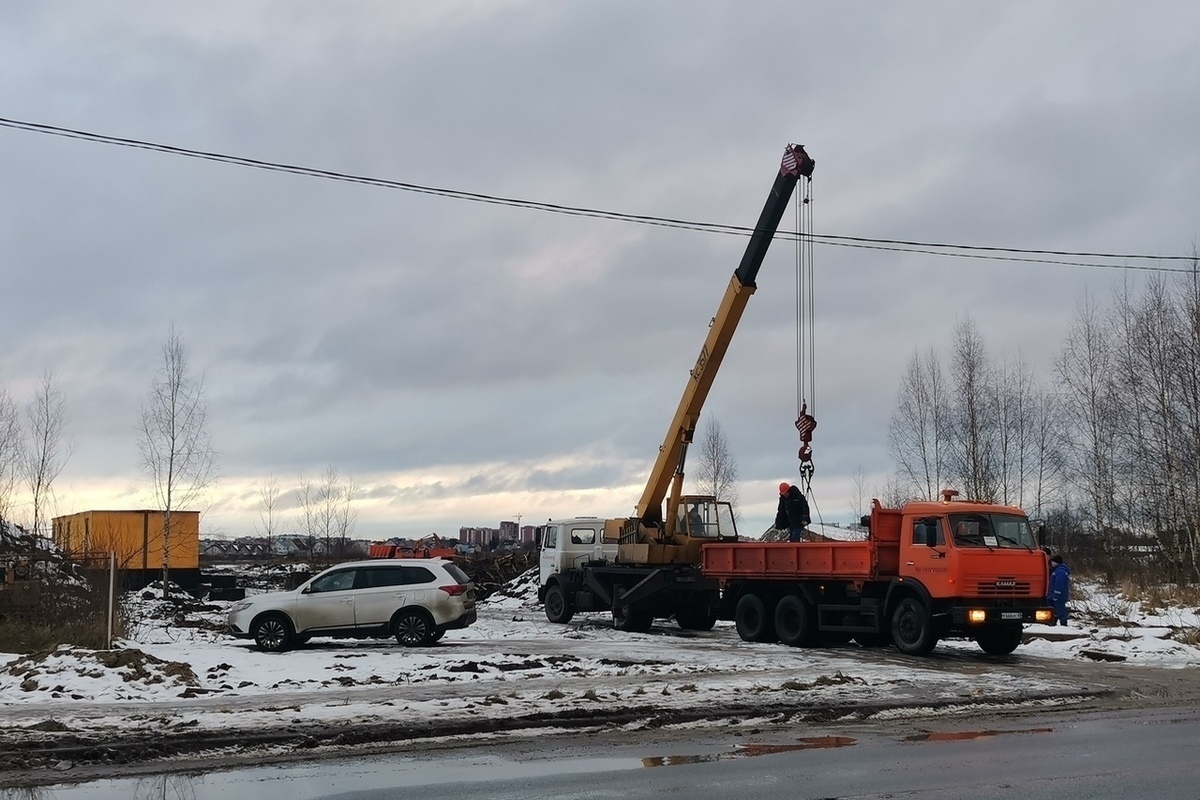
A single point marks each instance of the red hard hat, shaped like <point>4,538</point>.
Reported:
<point>783,487</point>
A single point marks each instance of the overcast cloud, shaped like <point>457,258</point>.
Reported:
<point>466,363</point>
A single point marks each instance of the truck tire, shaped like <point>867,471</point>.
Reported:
<point>999,641</point>
<point>912,628</point>
<point>632,619</point>
<point>752,621</point>
<point>794,622</point>
<point>696,619</point>
<point>556,605</point>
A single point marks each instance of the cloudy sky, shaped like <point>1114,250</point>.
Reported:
<point>466,363</point>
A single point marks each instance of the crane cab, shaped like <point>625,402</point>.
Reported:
<point>705,517</point>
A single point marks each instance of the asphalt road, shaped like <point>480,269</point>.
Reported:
<point>1060,756</point>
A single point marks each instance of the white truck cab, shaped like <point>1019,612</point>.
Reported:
<point>570,543</point>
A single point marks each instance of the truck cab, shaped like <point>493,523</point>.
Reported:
<point>580,569</point>
<point>567,544</point>
<point>977,552</point>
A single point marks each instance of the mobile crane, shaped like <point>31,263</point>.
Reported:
<point>927,571</point>
<point>653,570</point>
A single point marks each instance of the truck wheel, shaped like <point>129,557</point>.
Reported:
<point>632,619</point>
<point>557,608</point>
<point>912,629</point>
<point>753,623</point>
<point>272,633</point>
<point>999,641</point>
<point>696,619</point>
<point>794,622</point>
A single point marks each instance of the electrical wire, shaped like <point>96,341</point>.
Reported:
<point>980,252</point>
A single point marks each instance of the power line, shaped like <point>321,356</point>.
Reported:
<point>1023,255</point>
<point>988,257</point>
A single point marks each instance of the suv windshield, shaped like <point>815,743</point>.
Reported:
<point>1009,531</point>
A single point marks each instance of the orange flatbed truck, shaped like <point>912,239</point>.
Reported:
<point>927,571</point>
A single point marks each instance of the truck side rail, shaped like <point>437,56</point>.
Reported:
<point>788,560</point>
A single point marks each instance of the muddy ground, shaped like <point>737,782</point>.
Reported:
<point>49,752</point>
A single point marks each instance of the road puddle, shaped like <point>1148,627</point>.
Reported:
<point>962,736</point>
<point>752,750</point>
<point>308,781</point>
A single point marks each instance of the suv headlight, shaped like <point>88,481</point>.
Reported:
<point>240,605</point>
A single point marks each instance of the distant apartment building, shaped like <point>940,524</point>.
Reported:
<point>508,536</point>
<point>479,537</point>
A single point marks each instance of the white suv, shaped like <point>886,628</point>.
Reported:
<point>414,599</point>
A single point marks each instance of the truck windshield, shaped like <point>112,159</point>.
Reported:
<point>992,530</point>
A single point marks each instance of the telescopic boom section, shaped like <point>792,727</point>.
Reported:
<point>673,453</point>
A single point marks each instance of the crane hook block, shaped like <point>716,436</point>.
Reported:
<point>806,424</point>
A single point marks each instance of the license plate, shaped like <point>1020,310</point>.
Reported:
<point>1011,615</point>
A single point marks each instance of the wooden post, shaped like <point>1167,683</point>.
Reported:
<point>112,580</point>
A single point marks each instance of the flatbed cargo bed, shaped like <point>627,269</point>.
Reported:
<point>790,560</point>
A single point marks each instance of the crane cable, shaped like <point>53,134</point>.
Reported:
<point>806,400</point>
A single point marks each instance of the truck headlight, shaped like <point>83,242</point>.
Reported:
<point>976,615</point>
<point>1043,615</point>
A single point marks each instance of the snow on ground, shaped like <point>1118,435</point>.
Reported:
<point>183,670</point>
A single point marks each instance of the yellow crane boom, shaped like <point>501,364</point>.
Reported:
<point>649,537</point>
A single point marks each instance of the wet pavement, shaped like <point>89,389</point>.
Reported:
<point>1063,756</point>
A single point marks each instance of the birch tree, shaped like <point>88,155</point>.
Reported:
<point>10,450</point>
<point>716,471</point>
<point>1018,398</point>
<point>327,513</point>
<point>174,442</point>
<point>1189,359</point>
<point>268,508</point>
<point>1084,368</point>
<point>1047,477</point>
<point>918,433</point>
<point>975,420</point>
<point>46,454</point>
